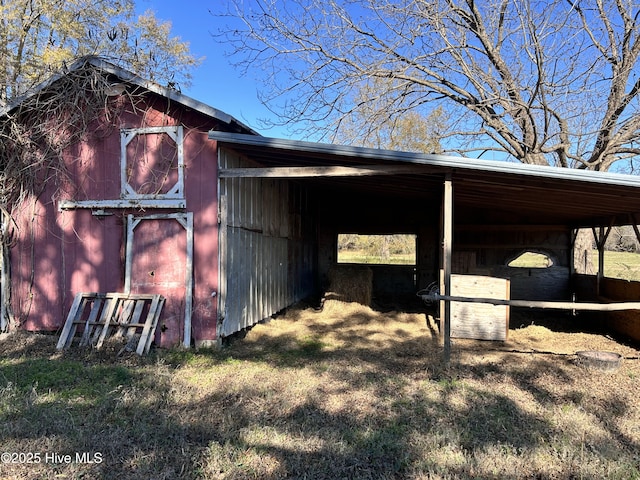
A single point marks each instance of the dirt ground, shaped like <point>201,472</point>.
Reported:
<point>341,392</point>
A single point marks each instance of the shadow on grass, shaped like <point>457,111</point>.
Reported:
<point>364,411</point>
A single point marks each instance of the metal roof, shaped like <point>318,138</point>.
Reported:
<point>130,77</point>
<point>484,191</point>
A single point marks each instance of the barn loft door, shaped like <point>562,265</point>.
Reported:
<point>159,260</point>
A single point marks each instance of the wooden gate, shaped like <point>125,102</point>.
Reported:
<point>159,260</point>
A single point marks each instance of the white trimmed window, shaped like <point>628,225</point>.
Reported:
<point>152,163</point>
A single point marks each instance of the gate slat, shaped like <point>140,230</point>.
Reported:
<point>120,311</point>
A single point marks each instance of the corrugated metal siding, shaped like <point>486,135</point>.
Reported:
<point>268,253</point>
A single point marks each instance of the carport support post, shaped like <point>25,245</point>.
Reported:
<point>447,242</point>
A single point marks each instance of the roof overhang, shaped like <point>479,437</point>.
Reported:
<point>132,79</point>
<point>485,192</point>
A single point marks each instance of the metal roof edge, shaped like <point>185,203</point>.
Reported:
<point>437,160</point>
<point>132,78</point>
<point>170,93</point>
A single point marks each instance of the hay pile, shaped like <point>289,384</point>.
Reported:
<point>348,284</point>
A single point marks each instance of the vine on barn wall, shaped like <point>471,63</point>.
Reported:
<point>36,133</point>
<point>37,138</point>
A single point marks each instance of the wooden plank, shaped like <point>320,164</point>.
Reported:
<point>188,308</point>
<point>447,252</point>
<point>128,262</point>
<point>507,294</point>
<point>139,203</point>
<point>603,307</point>
<point>179,141</point>
<point>111,305</point>
<point>223,258</point>
<point>100,322</point>
<point>134,322</point>
<point>481,321</point>
<point>154,324</point>
<point>320,171</point>
<point>510,228</point>
<point>90,324</point>
<point>85,298</point>
<point>152,316</point>
<point>71,318</point>
<point>125,316</point>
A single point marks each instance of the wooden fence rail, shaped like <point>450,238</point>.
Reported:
<point>605,307</point>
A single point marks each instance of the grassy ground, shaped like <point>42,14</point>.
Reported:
<point>344,393</point>
<point>621,265</point>
<point>357,256</point>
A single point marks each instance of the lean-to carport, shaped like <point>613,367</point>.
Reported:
<point>404,191</point>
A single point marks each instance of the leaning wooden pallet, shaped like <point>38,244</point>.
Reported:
<point>120,314</point>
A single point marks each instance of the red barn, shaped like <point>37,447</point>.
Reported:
<point>156,193</point>
<point>136,210</point>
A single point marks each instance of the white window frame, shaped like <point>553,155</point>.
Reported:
<point>129,198</point>
<point>176,133</point>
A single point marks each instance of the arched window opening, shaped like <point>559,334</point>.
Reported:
<point>531,259</point>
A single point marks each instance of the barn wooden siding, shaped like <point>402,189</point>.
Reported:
<point>625,322</point>
<point>487,249</point>
<point>267,246</point>
<point>481,321</point>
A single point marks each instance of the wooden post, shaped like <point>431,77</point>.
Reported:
<point>447,243</point>
<point>222,265</point>
<point>634,224</point>
<point>132,223</point>
<point>188,309</point>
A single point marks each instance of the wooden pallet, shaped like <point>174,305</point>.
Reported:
<point>112,314</point>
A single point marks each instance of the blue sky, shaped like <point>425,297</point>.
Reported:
<point>215,82</point>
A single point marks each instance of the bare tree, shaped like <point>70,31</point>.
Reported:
<point>372,125</point>
<point>544,82</point>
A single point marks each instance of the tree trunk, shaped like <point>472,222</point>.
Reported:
<point>583,252</point>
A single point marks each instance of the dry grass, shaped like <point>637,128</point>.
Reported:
<point>352,394</point>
